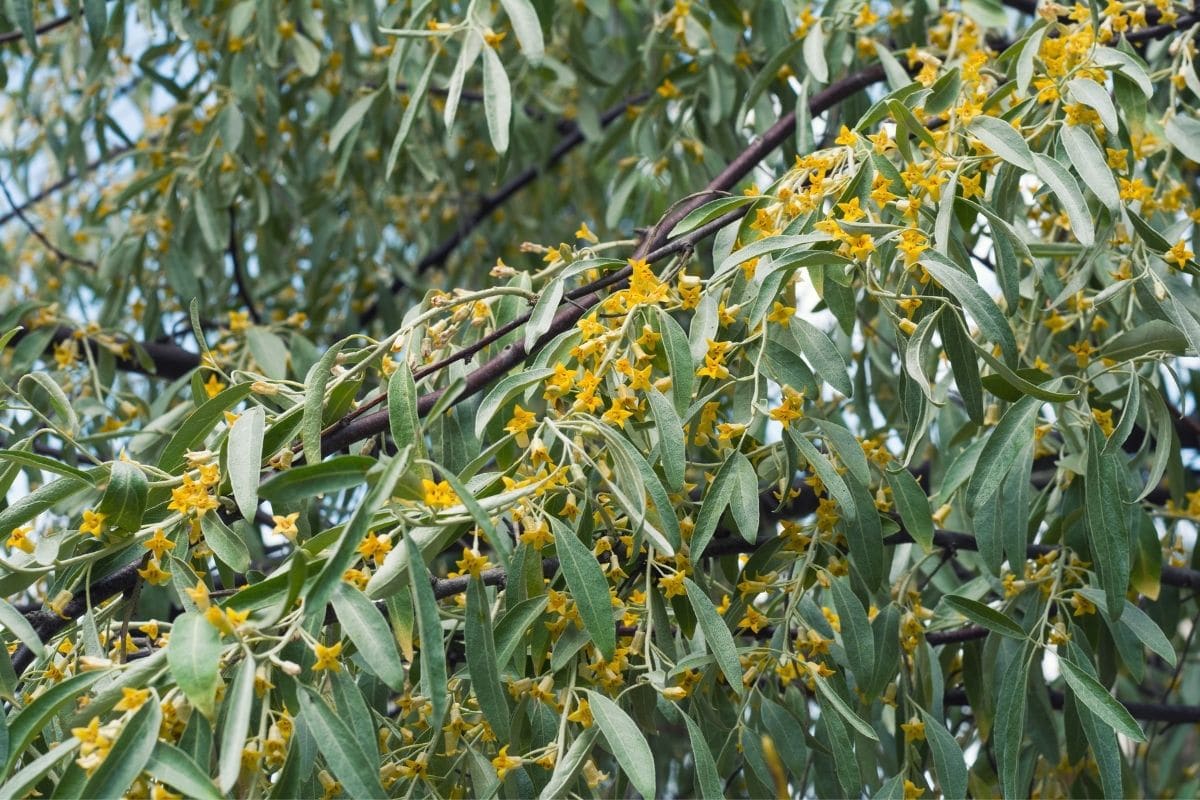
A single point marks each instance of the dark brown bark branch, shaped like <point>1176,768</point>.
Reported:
<point>33,229</point>
<point>45,27</point>
<point>1149,712</point>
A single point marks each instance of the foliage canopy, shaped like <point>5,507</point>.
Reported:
<point>527,398</point>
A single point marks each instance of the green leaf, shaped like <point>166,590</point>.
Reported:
<point>672,449</point>
<point>975,300</point>
<point>716,635</point>
<point>814,54</point>
<point>504,391</point>
<point>315,383</point>
<point>985,616</point>
<point>710,211</point>
<point>350,119</point>
<point>28,387</point>
<point>716,500</point>
<point>1096,97</point>
<point>913,506</point>
<point>23,783</point>
<point>36,461</point>
<point>823,354</point>
<point>124,500</point>
<point>482,665</point>
<point>14,623</point>
<point>1106,520</point>
<point>238,703</point>
<point>367,628</point>
<point>170,765</point>
<point>526,26</point>
<point>415,104</point>
<point>625,742</point>
<point>828,695</point>
<point>198,425</point>
<point>29,721</point>
<point>1013,434</point>
<point>312,480</point>
<point>269,351</point>
<point>1091,165</point>
<point>1183,132</point>
<point>128,755</point>
<point>23,13</point>
<point>429,628</point>
<point>1148,633</point>
<point>348,763</point>
<point>1152,336</point>
<point>589,587</point>
<point>707,776</point>
<point>857,638</point>
<point>1055,176</point>
<point>948,761</point>
<point>1003,140</point>
<point>511,629</point>
<point>193,654</point>
<point>226,544</point>
<point>1009,727</point>
<point>245,459</point>
<point>743,502</point>
<point>542,315</point>
<point>567,768</point>
<point>497,99</point>
<point>1100,702</point>
<point>830,478</point>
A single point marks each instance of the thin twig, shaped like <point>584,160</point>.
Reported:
<point>41,237</point>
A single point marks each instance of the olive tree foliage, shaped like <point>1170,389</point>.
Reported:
<point>532,398</point>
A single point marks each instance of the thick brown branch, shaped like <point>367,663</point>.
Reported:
<point>45,27</point>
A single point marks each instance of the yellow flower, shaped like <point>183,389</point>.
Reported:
<point>158,544</point>
<point>375,547</point>
<point>781,314</point>
<point>1104,419</point>
<point>914,730</point>
<point>846,137</point>
<point>154,574</point>
<point>519,425</point>
<point>327,657</point>
<point>132,699</point>
<point>472,562</point>
<point>286,525</point>
<point>1179,255</point>
<point>19,539</point>
<point>93,523</point>
<point>585,233</point>
<point>792,408</point>
<point>199,595</point>
<point>438,495</point>
<point>239,321</point>
<point>582,714</point>
<point>213,386</point>
<point>503,762</point>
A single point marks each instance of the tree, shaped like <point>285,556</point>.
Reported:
<point>606,398</point>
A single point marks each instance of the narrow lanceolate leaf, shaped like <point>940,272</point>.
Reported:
<point>403,421</point>
<point>128,755</point>
<point>984,615</point>
<point>226,544</point>
<point>1003,140</point>
<point>1152,336</point>
<point>913,506</point>
<point>1090,163</point>
<point>528,29</point>
<point>707,775</point>
<point>193,653</point>
<point>367,628</point>
<point>504,391</point>
<point>589,587</point>
<point>245,459</point>
<point>238,703</point>
<point>976,301</point>
<point>948,762</point>
<point>497,99</point>
<point>1009,727</point>
<point>1106,520</point>
<point>828,695</point>
<point>172,766</point>
<point>1183,132</point>
<point>482,665</point>
<point>429,628</point>
<point>672,449</point>
<point>346,760</point>
<point>857,638</point>
<point>716,634</point>
<point>1013,433</point>
<point>198,425</point>
<point>1067,190</point>
<point>350,119</point>
<point>315,383</point>
<point>542,315</point>
<point>814,54</point>
<point>124,501</point>
<point>625,742</point>
<point>1100,702</point>
<point>1090,93</point>
<point>568,767</point>
<point>12,621</point>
